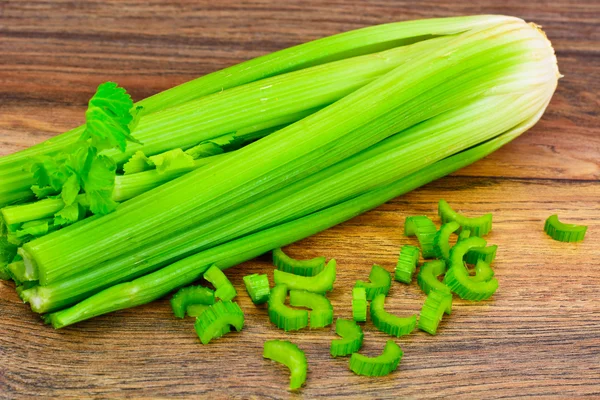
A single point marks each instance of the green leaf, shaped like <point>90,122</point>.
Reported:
<point>136,114</point>
<point>137,163</point>
<point>70,190</point>
<point>101,202</point>
<point>49,172</point>
<point>33,228</point>
<point>101,175</point>
<point>108,117</point>
<point>42,192</point>
<point>68,215</point>
<point>99,184</point>
<point>172,160</point>
<point>215,146</point>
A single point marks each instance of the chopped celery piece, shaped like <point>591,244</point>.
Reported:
<point>483,272</point>
<point>380,282</point>
<point>359,304</point>
<point>288,354</point>
<point>564,232</point>
<point>435,305</point>
<point>381,365</point>
<point>286,318</point>
<point>258,287</point>
<point>428,276</point>
<point>464,234</point>
<point>211,323</point>
<point>195,310</point>
<point>321,310</point>
<point>351,341</point>
<point>441,240</point>
<point>407,264</point>
<point>479,226</point>
<point>458,279</point>
<point>487,254</point>
<point>424,229</point>
<point>285,263</point>
<point>224,289</point>
<point>320,283</point>
<point>191,295</point>
<point>389,323</point>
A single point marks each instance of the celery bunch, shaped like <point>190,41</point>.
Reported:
<point>301,140</point>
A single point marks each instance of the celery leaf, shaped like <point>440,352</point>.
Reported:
<point>108,117</point>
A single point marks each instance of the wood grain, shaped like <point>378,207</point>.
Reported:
<point>538,336</point>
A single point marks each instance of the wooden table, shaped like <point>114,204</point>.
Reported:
<point>539,335</point>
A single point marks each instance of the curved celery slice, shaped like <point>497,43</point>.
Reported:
<point>479,226</point>
<point>407,263</point>
<point>483,272</point>
<point>351,341</point>
<point>211,323</point>
<point>224,289</point>
<point>381,365</point>
<point>191,295</point>
<point>458,279</point>
<point>321,313</point>
<point>258,287</point>
<point>195,310</point>
<point>487,254</point>
<point>284,317</point>
<point>389,323</point>
<point>428,276</point>
<point>359,304</point>
<point>464,234</point>
<point>436,304</point>
<point>288,354</point>
<point>285,263</point>
<point>321,283</point>
<point>380,282</point>
<point>441,240</point>
<point>425,230</point>
<point>564,232</point>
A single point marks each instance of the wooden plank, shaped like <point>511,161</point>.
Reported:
<point>539,335</point>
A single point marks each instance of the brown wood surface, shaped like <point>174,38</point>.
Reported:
<point>538,336</point>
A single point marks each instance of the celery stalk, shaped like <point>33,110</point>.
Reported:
<point>15,182</point>
<point>129,186</point>
<point>385,162</point>
<point>303,148</point>
<point>43,299</point>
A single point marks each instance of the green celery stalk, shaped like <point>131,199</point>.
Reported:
<point>271,99</point>
<point>303,148</point>
<point>129,186</point>
<point>15,182</point>
<point>383,163</point>
<point>157,284</point>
